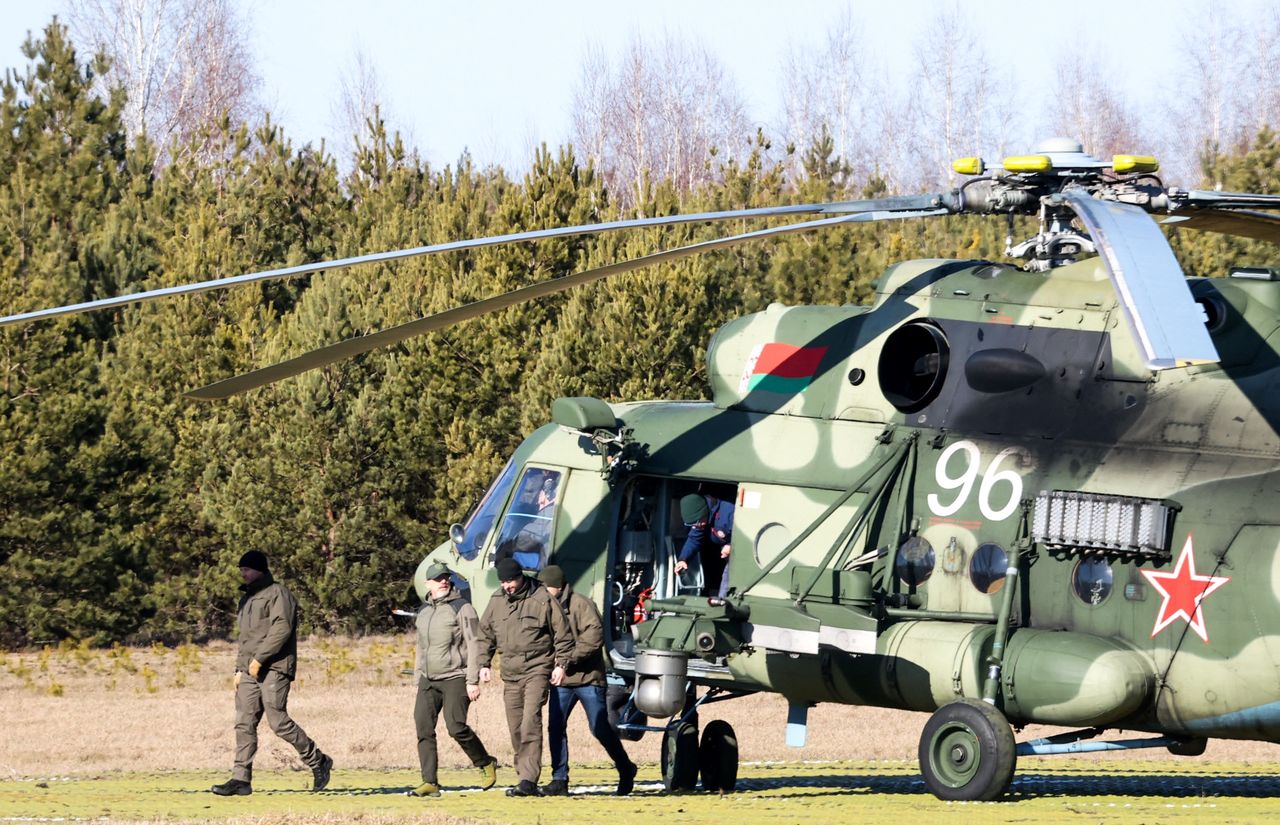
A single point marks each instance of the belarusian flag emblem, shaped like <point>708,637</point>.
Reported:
<point>780,368</point>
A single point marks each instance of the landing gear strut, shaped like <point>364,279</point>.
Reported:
<point>967,752</point>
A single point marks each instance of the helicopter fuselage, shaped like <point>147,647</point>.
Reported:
<point>981,443</point>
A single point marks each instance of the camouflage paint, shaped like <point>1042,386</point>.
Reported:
<point>1090,417</point>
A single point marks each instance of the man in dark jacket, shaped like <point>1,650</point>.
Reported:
<point>448,678</point>
<point>584,681</point>
<point>529,628</point>
<point>265,666</point>
<point>711,529</point>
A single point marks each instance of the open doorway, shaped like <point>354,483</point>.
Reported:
<point>651,534</point>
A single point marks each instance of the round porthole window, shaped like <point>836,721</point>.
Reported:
<point>1092,581</point>
<point>987,568</point>
<point>772,539</point>
<point>915,562</point>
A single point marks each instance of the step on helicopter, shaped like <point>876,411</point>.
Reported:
<point>1038,490</point>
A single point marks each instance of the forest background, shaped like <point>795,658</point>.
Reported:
<point>124,506</point>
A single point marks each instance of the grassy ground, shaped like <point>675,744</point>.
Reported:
<point>801,793</point>
<point>140,735</point>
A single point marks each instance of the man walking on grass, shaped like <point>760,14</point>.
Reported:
<point>265,667</point>
<point>529,628</point>
<point>448,677</point>
<point>584,681</point>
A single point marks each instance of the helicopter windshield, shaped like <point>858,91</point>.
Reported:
<point>485,514</point>
<point>526,529</point>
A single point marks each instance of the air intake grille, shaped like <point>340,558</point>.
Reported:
<point>1091,522</point>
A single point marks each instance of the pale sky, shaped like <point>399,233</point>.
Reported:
<point>497,77</point>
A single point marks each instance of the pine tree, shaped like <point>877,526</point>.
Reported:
<point>261,205</point>
<point>70,569</point>
<point>1255,169</point>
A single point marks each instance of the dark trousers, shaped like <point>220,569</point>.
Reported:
<point>560,706</point>
<point>449,695</point>
<point>271,696</point>
<point>524,700</point>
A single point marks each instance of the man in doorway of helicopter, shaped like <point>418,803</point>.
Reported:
<point>711,528</point>
<point>448,677</point>
<point>584,681</point>
<point>528,627</point>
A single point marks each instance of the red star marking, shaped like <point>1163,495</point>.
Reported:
<point>1183,591</point>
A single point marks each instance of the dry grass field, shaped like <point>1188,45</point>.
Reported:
<point>75,711</point>
<point>71,717</point>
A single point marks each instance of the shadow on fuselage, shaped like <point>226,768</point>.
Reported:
<point>839,341</point>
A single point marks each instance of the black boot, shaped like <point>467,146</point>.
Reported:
<point>320,773</point>
<point>233,787</point>
<point>556,787</point>
<point>524,788</point>
<point>626,778</point>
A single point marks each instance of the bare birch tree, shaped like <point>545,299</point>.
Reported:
<point>835,88</point>
<point>184,64</point>
<point>1262,48</point>
<point>1085,106</point>
<point>659,113</point>
<point>1225,90</point>
<point>592,105</point>
<point>360,106</point>
<point>1204,112</point>
<point>960,103</point>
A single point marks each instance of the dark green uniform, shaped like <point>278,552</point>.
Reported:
<point>268,622</point>
<point>448,630</point>
<point>531,631</point>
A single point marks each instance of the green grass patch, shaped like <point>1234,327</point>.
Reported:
<point>1044,791</point>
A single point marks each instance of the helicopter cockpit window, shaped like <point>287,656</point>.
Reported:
<point>1092,581</point>
<point>477,528</point>
<point>988,567</point>
<point>526,529</point>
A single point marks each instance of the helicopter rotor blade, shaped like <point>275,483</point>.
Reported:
<point>355,346</point>
<point>1157,303</point>
<point>1210,199</point>
<point>1259,226</point>
<point>892,204</point>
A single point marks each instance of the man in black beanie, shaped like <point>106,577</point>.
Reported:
<point>529,627</point>
<point>584,681</point>
<point>265,666</point>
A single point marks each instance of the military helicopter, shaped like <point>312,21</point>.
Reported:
<point>1005,493</point>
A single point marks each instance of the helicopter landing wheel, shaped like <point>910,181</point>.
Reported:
<point>967,752</point>
<point>718,757</point>
<point>680,758</point>
<point>1189,747</point>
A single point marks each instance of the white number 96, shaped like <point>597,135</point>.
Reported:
<point>964,482</point>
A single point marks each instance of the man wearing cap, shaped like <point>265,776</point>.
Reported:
<point>529,628</point>
<point>265,666</point>
<point>711,521</point>
<point>448,677</point>
<point>584,681</point>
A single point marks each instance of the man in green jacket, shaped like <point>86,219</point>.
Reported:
<point>529,628</point>
<point>448,677</point>
<point>584,681</point>
<point>265,666</point>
